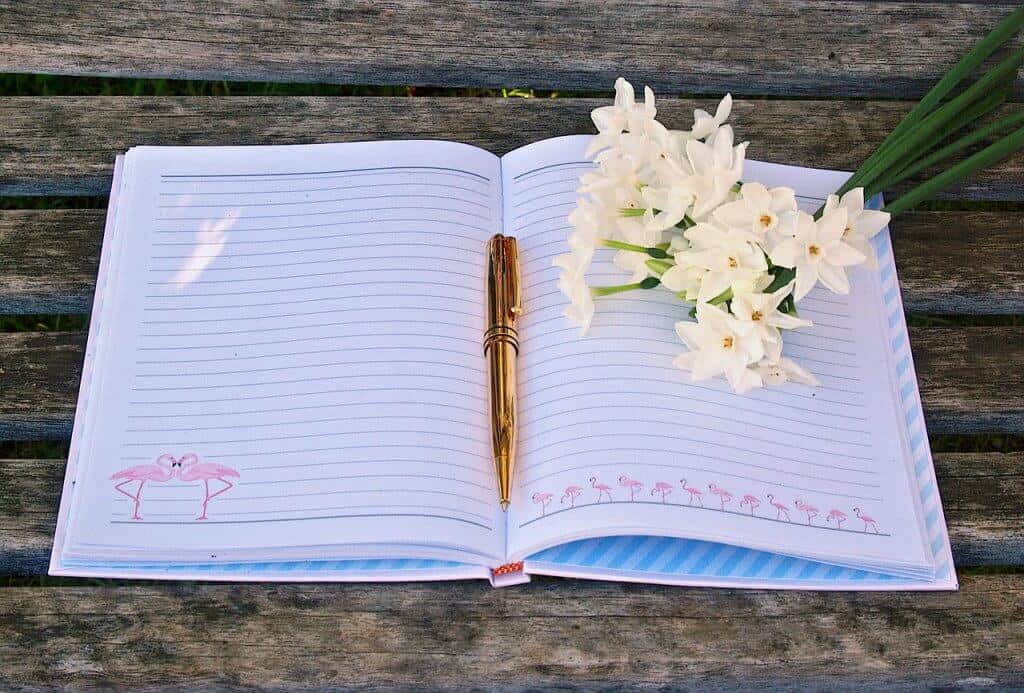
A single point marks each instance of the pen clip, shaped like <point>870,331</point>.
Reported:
<point>504,283</point>
<point>514,289</point>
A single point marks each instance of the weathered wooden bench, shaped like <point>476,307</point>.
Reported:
<point>843,67</point>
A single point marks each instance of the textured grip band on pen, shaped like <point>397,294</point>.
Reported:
<point>501,335</point>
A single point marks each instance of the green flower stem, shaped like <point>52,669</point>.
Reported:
<point>659,267</point>
<point>1002,125</point>
<point>722,297</point>
<point>909,144</point>
<point>970,62</point>
<point>966,117</point>
<point>621,245</point>
<point>632,211</point>
<point>977,111</point>
<point>648,283</point>
<point>610,290</point>
<point>654,252</point>
<point>986,157</point>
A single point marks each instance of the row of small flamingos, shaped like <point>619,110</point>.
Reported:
<point>664,489</point>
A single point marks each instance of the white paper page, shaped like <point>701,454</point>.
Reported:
<point>611,405</point>
<point>308,319</point>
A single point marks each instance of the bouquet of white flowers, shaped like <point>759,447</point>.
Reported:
<point>675,206</point>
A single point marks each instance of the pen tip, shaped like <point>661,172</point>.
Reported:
<point>504,505</point>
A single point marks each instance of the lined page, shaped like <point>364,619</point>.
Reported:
<point>296,331</point>
<point>616,440</point>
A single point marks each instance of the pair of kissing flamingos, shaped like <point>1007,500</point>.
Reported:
<point>167,467</point>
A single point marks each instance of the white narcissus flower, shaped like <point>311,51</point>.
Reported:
<point>727,255</point>
<point>576,262</point>
<point>573,283</point>
<point>581,307</point>
<point>758,209</point>
<point>785,370</point>
<point>671,202</point>
<point>649,179</point>
<point>816,251</point>
<point>717,165</point>
<point>705,124</point>
<point>761,310</point>
<point>684,279</point>
<point>635,263</point>
<point>666,155</point>
<point>624,115</point>
<point>861,224</point>
<point>720,344</point>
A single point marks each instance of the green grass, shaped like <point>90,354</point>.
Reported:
<point>54,85</point>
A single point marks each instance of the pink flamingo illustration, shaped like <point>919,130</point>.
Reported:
<point>194,470</point>
<point>662,487</point>
<point>753,501</point>
<point>602,489</point>
<point>868,521</point>
<point>723,495</point>
<point>163,469</point>
<point>632,484</point>
<point>838,515</point>
<point>780,509</point>
<point>809,510</point>
<point>544,499</point>
<point>693,491</point>
<point>572,493</point>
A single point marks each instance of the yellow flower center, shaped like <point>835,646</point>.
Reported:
<point>813,250</point>
<point>733,262</point>
<point>757,316</point>
<point>766,220</point>
<point>727,342</point>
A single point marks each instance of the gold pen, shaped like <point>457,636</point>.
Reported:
<point>501,346</point>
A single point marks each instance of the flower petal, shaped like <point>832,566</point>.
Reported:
<point>806,278</point>
<point>834,277</point>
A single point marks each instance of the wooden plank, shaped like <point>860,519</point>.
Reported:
<point>66,146</point>
<point>50,259</point>
<point>780,47</point>
<point>554,632</point>
<point>983,497</point>
<point>957,262</point>
<point>971,379</point>
<point>952,262</point>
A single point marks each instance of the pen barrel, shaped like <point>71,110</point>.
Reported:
<point>501,347</point>
<point>501,357</point>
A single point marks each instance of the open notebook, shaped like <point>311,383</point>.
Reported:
<point>284,381</point>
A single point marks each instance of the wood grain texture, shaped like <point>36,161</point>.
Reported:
<point>66,145</point>
<point>780,47</point>
<point>949,262</point>
<point>552,632</point>
<point>49,259</point>
<point>971,379</point>
<point>982,495</point>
